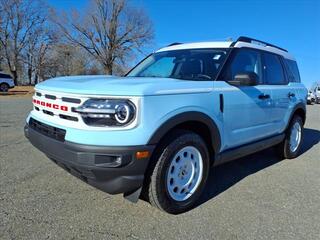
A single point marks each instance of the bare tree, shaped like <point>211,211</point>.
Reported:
<point>19,19</point>
<point>111,31</point>
<point>1,30</point>
<point>63,59</point>
<point>39,42</point>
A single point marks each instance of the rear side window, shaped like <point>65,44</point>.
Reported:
<point>273,70</point>
<point>292,69</point>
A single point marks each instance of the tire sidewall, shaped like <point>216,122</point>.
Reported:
<point>288,153</point>
<point>5,89</point>
<point>167,157</point>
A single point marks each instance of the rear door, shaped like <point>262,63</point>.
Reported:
<point>283,96</point>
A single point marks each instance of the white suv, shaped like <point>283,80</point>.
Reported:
<point>6,82</point>
<point>317,94</point>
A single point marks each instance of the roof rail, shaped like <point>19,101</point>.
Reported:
<point>252,40</point>
<point>173,44</point>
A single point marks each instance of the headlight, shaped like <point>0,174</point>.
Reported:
<point>107,112</point>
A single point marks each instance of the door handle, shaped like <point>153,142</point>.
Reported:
<point>290,94</point>
<point>264,96</point>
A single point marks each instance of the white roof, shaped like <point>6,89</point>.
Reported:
<point>199,45</point>
<point>265,48</point>
<point>196,45</point>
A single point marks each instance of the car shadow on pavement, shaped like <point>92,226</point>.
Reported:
<point>311,138</point>
<point>225,176</point>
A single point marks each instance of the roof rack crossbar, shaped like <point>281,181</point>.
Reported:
<point>250,40</point>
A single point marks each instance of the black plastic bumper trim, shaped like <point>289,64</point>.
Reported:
<point>79,160</point>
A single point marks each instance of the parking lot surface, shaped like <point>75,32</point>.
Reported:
<point>256,197</point>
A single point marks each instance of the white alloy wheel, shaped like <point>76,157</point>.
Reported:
<point>295,137</point>
<point>184,173</point>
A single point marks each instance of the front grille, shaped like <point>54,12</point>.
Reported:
<point>49,131</point>
<point>68,117</point>
<point>48,112</point>
<point>50,96</point>
<point>71,100</point>
<point>56,105</point>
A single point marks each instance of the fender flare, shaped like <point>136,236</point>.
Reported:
<point>301,106</point>
<point>186,117</point>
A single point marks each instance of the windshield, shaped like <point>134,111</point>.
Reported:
<point>187,64</point>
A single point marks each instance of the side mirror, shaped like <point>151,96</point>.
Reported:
<point>245,79</point>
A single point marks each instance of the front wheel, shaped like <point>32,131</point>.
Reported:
<point>291,145</point>
<point>181,167</point>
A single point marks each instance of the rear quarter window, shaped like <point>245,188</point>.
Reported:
<point>293,71</point>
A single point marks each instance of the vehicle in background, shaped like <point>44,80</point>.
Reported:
<point>311,97</point>
<point>6,82</point>
<point>317,94</point>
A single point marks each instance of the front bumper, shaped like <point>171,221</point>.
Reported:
<point>92,163</point>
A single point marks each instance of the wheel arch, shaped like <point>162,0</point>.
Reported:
<point>300,110</point>
<point>197,122</point>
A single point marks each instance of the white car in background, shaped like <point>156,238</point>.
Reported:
<point>317,94</point>
<point>311,97</point>
<point>6,82</point>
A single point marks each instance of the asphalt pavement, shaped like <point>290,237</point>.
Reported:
<point>255,197</point>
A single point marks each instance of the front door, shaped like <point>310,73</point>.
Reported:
<point>247,109</point>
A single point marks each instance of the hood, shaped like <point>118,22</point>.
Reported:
<point>123,86</point>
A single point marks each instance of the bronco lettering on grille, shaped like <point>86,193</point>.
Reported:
<point>50,105</point>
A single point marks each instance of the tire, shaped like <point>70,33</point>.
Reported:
<point>180,162</point>
<point>291,150</point>
<point>4,87</point>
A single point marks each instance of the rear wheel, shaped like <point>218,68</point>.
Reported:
<point>291,145</point>
<point>179,173</point>
<point>4,87</point>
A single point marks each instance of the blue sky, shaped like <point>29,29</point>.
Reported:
<point>294,25</point>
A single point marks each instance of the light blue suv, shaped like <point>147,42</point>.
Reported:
<point>156,132</point>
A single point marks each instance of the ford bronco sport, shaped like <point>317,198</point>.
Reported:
<point>156,132</point>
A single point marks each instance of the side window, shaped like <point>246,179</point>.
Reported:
<point>292,69</point>
<point>245,60</point>
<point>273,70</point>
<point>2,75</point>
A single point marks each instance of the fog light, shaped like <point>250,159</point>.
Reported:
<point>108,161</point>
